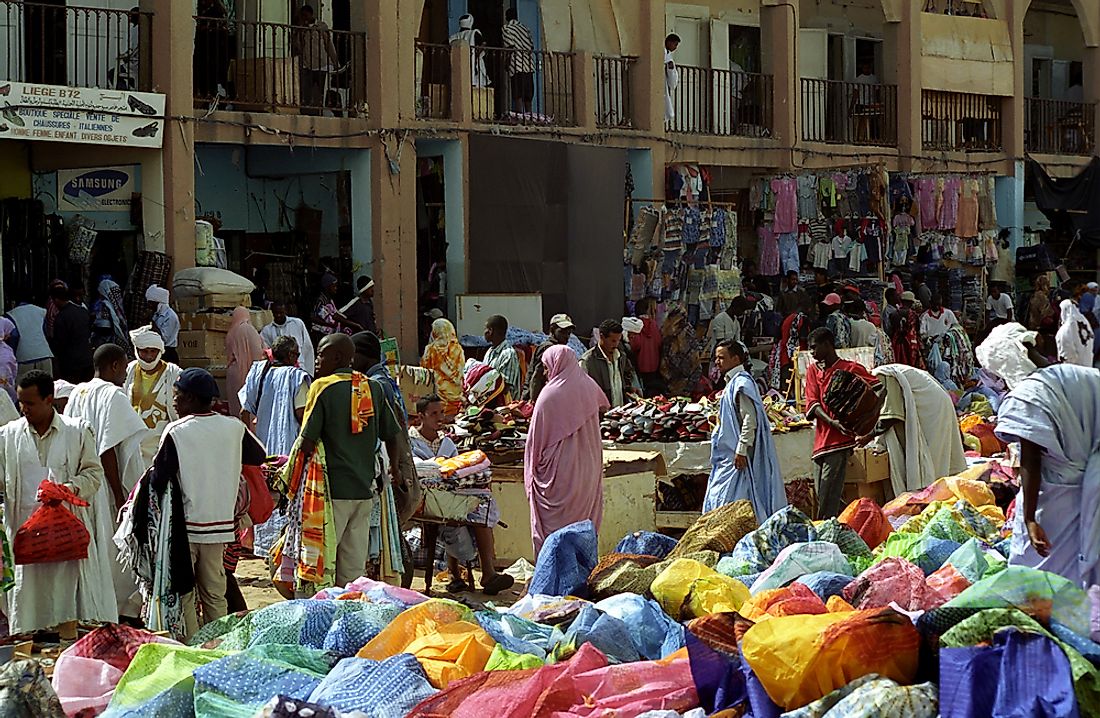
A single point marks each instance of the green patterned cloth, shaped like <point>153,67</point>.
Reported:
<point>845,537</point>
<point>160,678</point>
<point>980,628</point>
<point>1037,593</point>
<point>873,696</point>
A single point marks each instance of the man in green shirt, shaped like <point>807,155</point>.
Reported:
<point>350,448</point>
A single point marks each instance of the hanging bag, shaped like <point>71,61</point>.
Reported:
<point>52,533</point>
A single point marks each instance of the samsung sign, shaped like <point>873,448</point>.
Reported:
<point>104,189</point>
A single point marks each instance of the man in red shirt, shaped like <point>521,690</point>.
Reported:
<point>833,445</point>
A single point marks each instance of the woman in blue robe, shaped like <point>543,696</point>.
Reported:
<point>742,455</point>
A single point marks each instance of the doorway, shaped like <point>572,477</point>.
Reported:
<point>45,27</point>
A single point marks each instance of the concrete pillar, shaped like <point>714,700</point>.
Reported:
<point>462,80</point>
<point>903,35</point>
<point>391,65</point>
<point>1091,90</point>
<point>584,90</point>
<point>779,38</point>
<point>648,80</point>
<point>1012,108</point>
<point>173,33</point>
<point>393,239</point>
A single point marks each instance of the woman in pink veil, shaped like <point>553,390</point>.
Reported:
<point>563,461</point>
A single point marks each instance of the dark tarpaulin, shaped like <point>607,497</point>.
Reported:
<point>547,217</point>
<point>1073,199</point>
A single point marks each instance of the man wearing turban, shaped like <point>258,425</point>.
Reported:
<point>165,321</point>
<point>149,381</point>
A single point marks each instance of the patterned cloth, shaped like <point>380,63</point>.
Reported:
<point>868,520</point>
<point>872,696</point>
<point>894,580</point>
<point>982,627</point>
<point>1037,593</point>
<point>386,689</point>
<point>850,543</point>
<point>25,692</point>
<point>286,707</point>
<point>646,543</point>
<point>757,550</point>
<point>825,584</point>
<point>1020,674</point>
<point>238,685</point>
<point>307,552</point>
<point>718,530</point>
<point>799,559</point>
<point>621,573</point>
<point>567,558</point>
<point>160,681</point>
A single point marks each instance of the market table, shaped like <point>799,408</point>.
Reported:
<point>629,497</point>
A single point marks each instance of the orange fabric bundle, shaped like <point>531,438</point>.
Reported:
<point>948,582</point>
<point>793,600</point>
<point>867,519</point>
<point>448,467</point>
<point>52,533</point>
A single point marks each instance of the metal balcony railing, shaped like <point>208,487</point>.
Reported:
<point>523,88</point>
<point>1059,127</point>
<point>433,81</point>
<point>75,46</point>
<point>850,113</point>
<point>711,101</point>
<point>614,96</point>
<point>261,66</point>
<point>958,121</point>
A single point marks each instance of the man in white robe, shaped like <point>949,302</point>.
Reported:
<point>148,384</point>
<point>917,421</point>
<point>286,326</point>
<point>44,444</point>
<point>118,432</point>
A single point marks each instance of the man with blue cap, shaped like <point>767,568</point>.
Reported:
<point>200,458</point>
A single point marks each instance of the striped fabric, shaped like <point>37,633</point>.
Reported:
<point>517,37</point>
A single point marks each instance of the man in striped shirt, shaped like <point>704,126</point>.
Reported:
<point>521,62</point>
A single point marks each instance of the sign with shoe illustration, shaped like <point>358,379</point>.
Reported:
<point>81,114</point>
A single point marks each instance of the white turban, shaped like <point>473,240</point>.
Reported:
<point>466,22</point>
<point>146,338</point>
<point>156,294</point>
<point>62,389</point>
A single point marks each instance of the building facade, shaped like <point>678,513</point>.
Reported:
<point>383,144</point>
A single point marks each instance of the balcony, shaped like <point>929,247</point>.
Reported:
<point>959,121</point>
<point>522,88</point>
<point>75,46</point>
<point>849,113</point>
<point>271,67</point>
<point>1059,127</point>
<point>433,81</point>
<point>711,101</point>
<point>614,99</point>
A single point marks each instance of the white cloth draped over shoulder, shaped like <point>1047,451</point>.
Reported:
<point>155,408</point>
<point>932,446</point>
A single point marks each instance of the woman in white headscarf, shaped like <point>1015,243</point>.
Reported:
<point>467,34</point>
<point>149,382</point>
<point>1074,336</point>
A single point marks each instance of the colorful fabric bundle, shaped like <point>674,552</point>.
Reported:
<point>240,684</point>
<point>463,464</point>
<point>894,580</point>
<point>848,398</point>
<point>868,520</point>
<point>565,562</point>
<point>687,589</point>
<point>758,549</point>
<point>718,530</point>
<point>795,600</point>
<point>307,552</point>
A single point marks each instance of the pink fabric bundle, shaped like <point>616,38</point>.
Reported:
<point>585,686</point>
<point>894,580</point>
<point>88,671</point>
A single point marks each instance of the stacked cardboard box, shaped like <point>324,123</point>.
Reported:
<point>202,340</point>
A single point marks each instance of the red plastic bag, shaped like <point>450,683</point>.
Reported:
<point>260,504</point>
<point>52,533</point>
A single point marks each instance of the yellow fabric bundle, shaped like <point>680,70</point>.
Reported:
<point>448,467</point>
<point>800,659</point>
<point>687,589</point>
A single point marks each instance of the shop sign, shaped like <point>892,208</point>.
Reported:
<point>81,114</point>
<point>100,189</point>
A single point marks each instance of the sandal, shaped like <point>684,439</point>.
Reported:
<point>496,584</point>
<point>457,585</point>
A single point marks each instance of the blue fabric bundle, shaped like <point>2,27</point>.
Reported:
<point>1021,674</point>
<point>386,689</point>
<point>605,632</point>
<point>646,543</point>
<point>825,583</point>
<point>934,553</point>
<point>567,558</point>
<point>519,635</point>
<point>654,633</point>
<point>240,684</point>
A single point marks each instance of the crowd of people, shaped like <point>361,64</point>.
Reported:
<point>162,471</point>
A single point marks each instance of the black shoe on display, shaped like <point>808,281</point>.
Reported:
<point>149,130</point>
<point>139,106</point>
<point>8,113</point>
